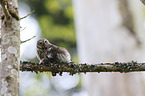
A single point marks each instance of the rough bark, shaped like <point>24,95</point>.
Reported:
<point>10,49</point>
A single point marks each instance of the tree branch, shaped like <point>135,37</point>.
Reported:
<point>73,68</point>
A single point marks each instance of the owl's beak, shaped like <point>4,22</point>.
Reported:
<point>45,47</point>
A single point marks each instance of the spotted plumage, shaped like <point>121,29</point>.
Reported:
<point>47,50</point>
<point>54,53</point>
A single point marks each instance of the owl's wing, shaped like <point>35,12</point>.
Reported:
<point>64,58</point>
<point>63,55</point>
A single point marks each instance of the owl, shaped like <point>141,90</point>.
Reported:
<point>54,53</point>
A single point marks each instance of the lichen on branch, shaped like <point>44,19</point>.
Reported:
<point>73,68</point>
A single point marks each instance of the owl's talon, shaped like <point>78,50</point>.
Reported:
<point>53,74</point>
<point>36,72</point>
<point>60,73</point>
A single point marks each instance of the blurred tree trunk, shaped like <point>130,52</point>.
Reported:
<point>143,1</point>
<point>109,31</point>
<point>10,52</point>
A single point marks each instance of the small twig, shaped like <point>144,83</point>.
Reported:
<point>23,28</point>
<point>27,40</point>
<point>27,15</point>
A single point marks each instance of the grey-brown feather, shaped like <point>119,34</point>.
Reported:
<point>54,53</point>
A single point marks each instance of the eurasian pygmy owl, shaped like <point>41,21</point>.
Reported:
<point>54,53</point>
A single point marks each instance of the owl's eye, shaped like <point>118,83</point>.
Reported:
<point>40,43</point>
<point>45,41</point>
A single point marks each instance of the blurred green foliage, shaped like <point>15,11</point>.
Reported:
<point>55,18</point>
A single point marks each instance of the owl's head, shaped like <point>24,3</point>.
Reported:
<point>43,43</point>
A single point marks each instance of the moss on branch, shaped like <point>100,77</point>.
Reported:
<point>73,68</point>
